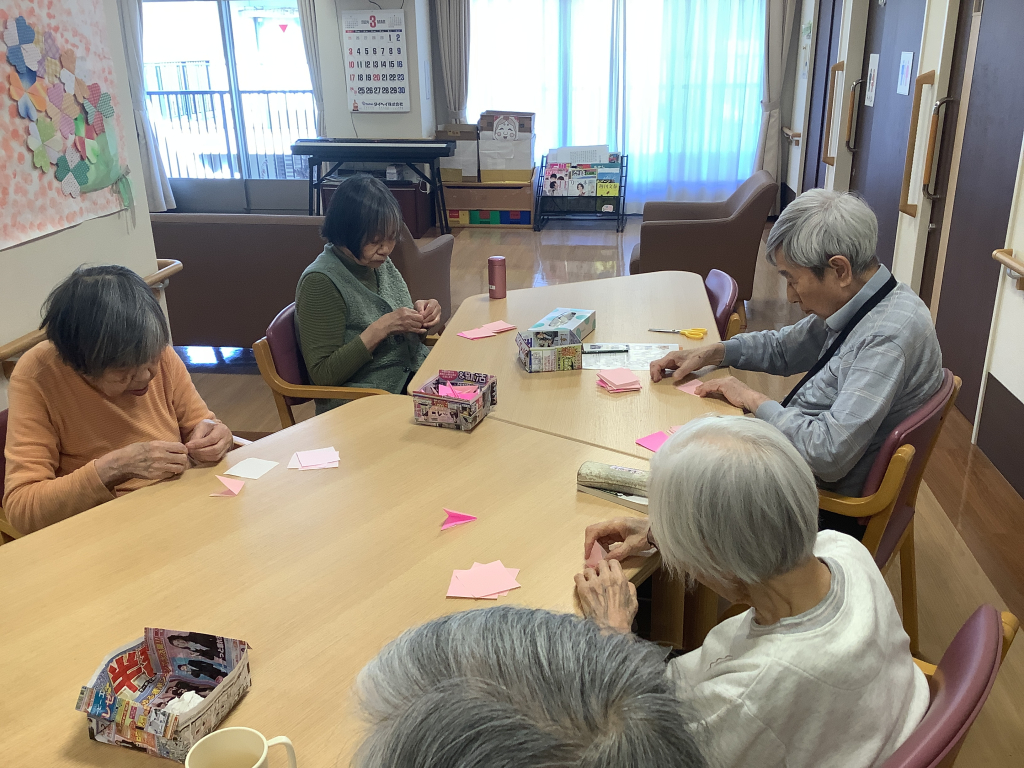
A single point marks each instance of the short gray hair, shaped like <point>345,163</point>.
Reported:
<point>105,318</point>
<point>821,224</point>
<point>515,688</point>
<point>731,498</point>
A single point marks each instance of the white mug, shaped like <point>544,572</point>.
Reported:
<point>235,748</point>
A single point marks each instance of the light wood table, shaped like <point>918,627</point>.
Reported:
<point>316,569</point>
<point>569,403</point>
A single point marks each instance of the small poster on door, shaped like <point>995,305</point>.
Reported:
<point>906,70</point>
<point>869,87</point>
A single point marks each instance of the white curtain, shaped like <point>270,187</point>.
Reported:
<point>452,18</point>
<point>778,31</point>
<point>676,84</point>
<point>307,18</point>
<point>158,189</point>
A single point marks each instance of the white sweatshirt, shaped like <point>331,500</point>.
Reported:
<point>834,686</point>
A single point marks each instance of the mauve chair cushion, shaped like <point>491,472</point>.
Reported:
<point>722,293</point>
<point>282,339</point>
<point>960,686</point>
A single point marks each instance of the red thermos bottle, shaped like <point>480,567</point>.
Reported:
<point>496,277</point>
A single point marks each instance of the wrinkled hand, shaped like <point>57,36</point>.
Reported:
<point>156,460</point>
<point>404,320</point>
<point>430,311</point>
<point>630,533</point>
<point>686,361</point>
<point>209,442</point>
<point>607,597</point>
<point>733,390</point>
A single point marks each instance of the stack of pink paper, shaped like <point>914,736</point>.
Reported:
<point>484,582</point>
<point>459,391</point>
<point>618,380</point>
<point>322,458</point>
<point>485,331</point>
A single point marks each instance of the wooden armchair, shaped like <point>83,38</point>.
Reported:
<point>280,362</point>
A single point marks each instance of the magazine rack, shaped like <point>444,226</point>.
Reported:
<point>585,206</point>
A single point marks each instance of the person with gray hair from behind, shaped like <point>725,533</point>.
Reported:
<point>868,346</point>
<point>519,688</point>
<point>818,671</point>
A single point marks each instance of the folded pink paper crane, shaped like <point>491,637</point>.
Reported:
<point>597,554</point>
<point>233,486</point>
<point>455,518</point>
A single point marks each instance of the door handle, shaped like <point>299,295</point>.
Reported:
<point>826,158</point>
<point>851,122</point>
<point>929,157</point>
<point>928,78</point>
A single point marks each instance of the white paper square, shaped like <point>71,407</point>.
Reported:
<point>252,469</point>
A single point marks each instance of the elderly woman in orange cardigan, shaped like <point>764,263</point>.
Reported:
<point>103,406</point>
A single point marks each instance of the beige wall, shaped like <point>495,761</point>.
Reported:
<point>29,271</point>
<point>419,122</point>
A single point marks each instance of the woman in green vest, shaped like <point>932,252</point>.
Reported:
<point>357,324</point>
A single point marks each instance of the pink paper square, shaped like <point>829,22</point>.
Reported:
<point>597,554</point>
<point>309,459</point>
<point>498,326</point>
<point>690,387</point>
<point>476,333</point>
<point>488,579</point>
<point>617,378</point>
<point>232,486</point>
<point>652,442</point>
<point>636,388</point>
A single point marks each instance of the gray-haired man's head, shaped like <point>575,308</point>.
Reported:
<point>516,688</point>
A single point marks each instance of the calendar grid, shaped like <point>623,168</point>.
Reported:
<point>376,67</point>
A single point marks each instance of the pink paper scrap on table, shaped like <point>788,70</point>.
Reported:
<point>690,387</point>
<point>597,554</point>
<point>652,442</point>
<point>486,582</point>
<point>233,486</point>
<point>476,333</point>
<point>455,518</point>
<point>498,326</point>
<point>322,458</point>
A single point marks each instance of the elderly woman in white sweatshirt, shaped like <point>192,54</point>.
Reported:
<point>818,671</point>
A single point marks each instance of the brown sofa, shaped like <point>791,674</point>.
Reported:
<point>699,237</point>
<point>241,270</point>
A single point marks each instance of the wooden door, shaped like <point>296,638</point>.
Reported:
<point>827,29</point>
<point>986,172</point>
<point>880,135</point>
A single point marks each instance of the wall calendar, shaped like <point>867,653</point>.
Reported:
<point>375,62</point>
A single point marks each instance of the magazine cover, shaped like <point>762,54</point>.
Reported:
<point>556,179</point>
<point>163,692</point>
<point>583,182</point>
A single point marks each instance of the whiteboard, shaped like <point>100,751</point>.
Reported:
<point>376,67</point>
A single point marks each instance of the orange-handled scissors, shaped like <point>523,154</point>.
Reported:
<point>690,333</point>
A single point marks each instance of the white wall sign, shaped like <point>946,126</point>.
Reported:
<point>906,70</point>
<point>869,87</point>
<point>376,67</point>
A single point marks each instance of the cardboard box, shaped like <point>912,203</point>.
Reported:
<point>433,409</point>
<point>498,154</point>
<point>498,177</point>
<point>464,165</point>
<point>523,120</point>
<point>504,198</point>
<point>555,343</point>
<point>457,218</point>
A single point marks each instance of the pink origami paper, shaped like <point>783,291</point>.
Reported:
<point>498,326</point>
<point>652,442</point>
<point>233,486</point>
<point>597,554</point>
<point>316,458</point>
<point>476,333</point>
<point>483,581</point>
<point>455,518</point>
<point>636,388</point>
<point>690,387</point>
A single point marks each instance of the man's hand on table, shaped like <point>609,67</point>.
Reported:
<point>686,361</point>
<point>733,390</point>
<point>607,597</point>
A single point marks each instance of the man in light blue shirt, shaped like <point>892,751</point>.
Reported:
<point>887,363</point>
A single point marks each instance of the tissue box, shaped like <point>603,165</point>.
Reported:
<point>125,700</point>
<point>463,410</point>
<point>555,343</point>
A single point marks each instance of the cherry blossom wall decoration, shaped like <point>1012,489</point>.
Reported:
<point>61,132</point>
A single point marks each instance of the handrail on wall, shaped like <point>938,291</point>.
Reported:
<point>907,207</point>
<point>1005,257</point>
<point>165,268</point>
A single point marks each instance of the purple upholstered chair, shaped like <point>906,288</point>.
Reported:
<point>280,362</point>
<point>7,531</point>
<point>960,684</point>
<point>920,430</point>
<point>723,292</point>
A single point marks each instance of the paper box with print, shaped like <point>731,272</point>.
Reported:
<point>163,692</point>
<point>555,343</point>
<point>455,399</point>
